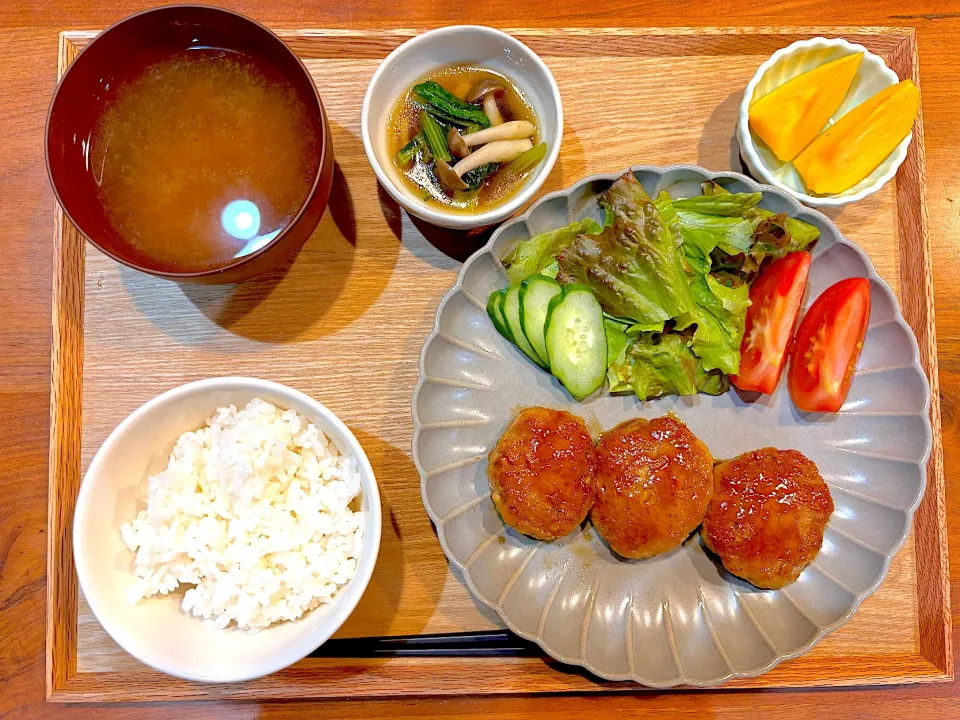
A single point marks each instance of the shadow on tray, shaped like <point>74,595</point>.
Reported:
<point>440,247</point>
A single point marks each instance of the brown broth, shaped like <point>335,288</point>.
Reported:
<point>202,157</point>
<point>404,123</point>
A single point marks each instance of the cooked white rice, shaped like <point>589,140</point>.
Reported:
<point>253,511</point>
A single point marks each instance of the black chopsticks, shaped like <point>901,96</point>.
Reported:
<point>490,643</point>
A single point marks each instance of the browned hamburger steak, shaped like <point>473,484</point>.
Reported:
<point>767,516</point>
<point>541,473</point>
<point>653,483</point>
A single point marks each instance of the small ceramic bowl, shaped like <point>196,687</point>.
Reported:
<point>459,44</point>
<point>156,631</point>
<point>785,64</point>
<point>96,77</point>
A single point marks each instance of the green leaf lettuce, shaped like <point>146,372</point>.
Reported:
<point>534,255</point>
<point>654,365</point>
<point>633,266</point>
<point>717,318</point>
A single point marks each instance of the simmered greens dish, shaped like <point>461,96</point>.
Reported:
<point>465,138</point>
<point>654,301</point>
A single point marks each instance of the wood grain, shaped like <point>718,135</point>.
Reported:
<point>371,678</point>
<point>360,297</point>
<point>933,570</point>
<point>28,34</point>
<point>66,387</point>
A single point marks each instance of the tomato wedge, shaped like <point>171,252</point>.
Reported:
<point>827,346</point>
<point>776,296</point>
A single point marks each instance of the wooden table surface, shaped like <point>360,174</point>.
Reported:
<point>28,47</point>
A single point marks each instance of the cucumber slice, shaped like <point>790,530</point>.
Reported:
<point>495,311</point>
<point>511,313</point>
<point>536,292</point>
<point>576,341</point>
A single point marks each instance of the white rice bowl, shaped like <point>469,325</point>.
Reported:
<point>255,513</point>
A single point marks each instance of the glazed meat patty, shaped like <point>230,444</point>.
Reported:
<point>653,484</point>
<point>767,516</point>
<point>541,473</point>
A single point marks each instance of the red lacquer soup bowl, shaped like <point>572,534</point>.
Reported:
<point>91,92</point>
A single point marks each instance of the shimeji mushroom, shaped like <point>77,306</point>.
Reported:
<point>456,144</point>
<point>488,90</point>
<point>513,130</point>
<point>448,177</point>
<point>499,151</point>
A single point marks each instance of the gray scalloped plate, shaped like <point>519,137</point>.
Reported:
<point>677,618</point>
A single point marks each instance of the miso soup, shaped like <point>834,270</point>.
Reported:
<point>203,156</point>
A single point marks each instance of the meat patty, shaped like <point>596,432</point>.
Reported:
<point>767,516</point>
<point>541,473</point>
<point>653,484</point>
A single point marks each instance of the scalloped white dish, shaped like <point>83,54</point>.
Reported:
<point>677,618</point>
<point>872,76</point>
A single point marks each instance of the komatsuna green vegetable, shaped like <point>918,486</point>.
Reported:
<point>408,152</point>
<point>447,106</point>
<point>633,267</point>
<point>539,252</point>
<point>528,160</point>
<point>435,137</point>
<point>474,179</point>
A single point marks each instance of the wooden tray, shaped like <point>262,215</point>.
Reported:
<point>346,319</point>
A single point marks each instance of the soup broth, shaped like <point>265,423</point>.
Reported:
<point>404,123</point>
<point>202,157</point>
